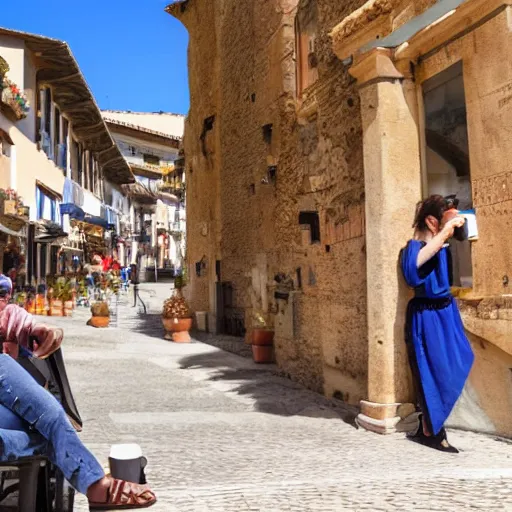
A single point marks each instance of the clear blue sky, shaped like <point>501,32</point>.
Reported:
<point>132,53</point>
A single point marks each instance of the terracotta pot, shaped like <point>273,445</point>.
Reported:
<point>56,308</point>
<point>263,354</point>
<point>68,308</point>
<point>262,337</point>
<point>41,307</point>
<point>177,329</point>
<point>99,322</point>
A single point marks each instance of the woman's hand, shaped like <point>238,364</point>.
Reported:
<point>49,340</point>
<point>433,246</point>
<point>11,349</point>
<point>450,226</point>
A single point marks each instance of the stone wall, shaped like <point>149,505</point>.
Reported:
<point>243,71</point>
<point>202,165</point>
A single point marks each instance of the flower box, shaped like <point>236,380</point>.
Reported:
<point>14,102</point>
<point>8,207</point>
<point>24,211</point>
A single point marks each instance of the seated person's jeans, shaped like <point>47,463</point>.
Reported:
<point>32,422</point>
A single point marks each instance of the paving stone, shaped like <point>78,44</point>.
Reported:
<point>224,434</point>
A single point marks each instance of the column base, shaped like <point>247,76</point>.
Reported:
<point>388,418</point>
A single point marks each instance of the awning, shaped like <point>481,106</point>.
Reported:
<point>97,221</point>
<point>168,199</point>
<point>74,211</point>
<point>71,249</point>
<point>47,232</point>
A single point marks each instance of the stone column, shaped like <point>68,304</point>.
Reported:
<point>392,188</point>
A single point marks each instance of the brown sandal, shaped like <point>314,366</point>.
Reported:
<point>126,495</point>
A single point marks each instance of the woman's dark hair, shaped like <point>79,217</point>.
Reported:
<point>434,206</point>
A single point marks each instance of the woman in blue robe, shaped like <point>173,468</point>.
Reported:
<point>439,352</point>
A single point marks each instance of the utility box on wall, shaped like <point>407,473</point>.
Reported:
<point>202,321</point>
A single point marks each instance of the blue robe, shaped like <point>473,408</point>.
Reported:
<point>439,351</point>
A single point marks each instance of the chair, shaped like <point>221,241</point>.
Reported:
<point>40,485</point>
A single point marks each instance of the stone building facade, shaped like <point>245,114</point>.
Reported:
<point>314,128</point>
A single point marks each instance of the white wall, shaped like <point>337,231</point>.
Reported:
<point>13,51</point>
<point>31,164</point>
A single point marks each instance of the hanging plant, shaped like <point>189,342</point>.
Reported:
<point>14,97</point>
<point>4,67</point>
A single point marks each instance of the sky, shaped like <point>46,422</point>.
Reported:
<point>132,53</point>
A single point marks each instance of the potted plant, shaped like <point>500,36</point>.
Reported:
<point>100,315</point>
<point>262,339</point>
<point>67,298</point>
<point>55,294</point>
<point>30,303</point>
<point>41,306</point>
<point>176,315</point>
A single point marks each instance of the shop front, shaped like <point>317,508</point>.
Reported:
<point>14,218</point>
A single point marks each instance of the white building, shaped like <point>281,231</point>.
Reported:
<point>56,150</point>
<point>150,144</point>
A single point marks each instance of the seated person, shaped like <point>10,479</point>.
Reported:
<point>32,421</point>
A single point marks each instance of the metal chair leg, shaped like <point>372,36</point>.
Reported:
<point>29,475</point>
<point>44,498</point>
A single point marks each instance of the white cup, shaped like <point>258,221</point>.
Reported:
<point>127,463</point>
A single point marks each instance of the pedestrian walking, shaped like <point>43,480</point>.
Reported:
<point>439,352</point>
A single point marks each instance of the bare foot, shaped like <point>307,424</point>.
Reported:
<point>98,492</point>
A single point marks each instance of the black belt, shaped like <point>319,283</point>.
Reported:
<point>423,303</point>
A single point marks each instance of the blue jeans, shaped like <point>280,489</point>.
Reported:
<point>32,422</point>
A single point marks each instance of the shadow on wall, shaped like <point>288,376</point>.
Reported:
<point>271,393</point>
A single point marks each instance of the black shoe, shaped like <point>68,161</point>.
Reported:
<point>438,442</point>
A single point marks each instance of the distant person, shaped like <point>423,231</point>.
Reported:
<point>439,352</point>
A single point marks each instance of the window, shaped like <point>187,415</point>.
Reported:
<point>48,206</point>
<point>80,164</point>
<point>305,41</point>
<point>151,159</point>
<point>447,159</point>
<point>133,151</point>
<point>91,172</point>
<point>62,158</point>
<point>47,109</point>
<point>310,223</point>
<point>44,123</point>
<point>56,134</point>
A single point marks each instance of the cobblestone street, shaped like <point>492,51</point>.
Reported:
<point>222,434</point>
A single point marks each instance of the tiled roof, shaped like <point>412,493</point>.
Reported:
<point>58,66</point>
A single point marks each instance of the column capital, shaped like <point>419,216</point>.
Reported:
<point>375,65</point>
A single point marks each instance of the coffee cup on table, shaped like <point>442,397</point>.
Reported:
<point>127,463</point>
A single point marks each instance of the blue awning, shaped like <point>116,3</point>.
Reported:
<point>97,221</point>
<point>74,211</point>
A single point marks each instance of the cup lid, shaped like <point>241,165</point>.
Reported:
<point>125,451</point>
